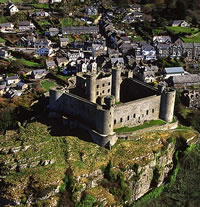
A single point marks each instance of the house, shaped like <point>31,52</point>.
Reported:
<point>173,71</point>
<point>191,98</point>
<point>98,49</point>
<point>53,31</point>
<point>184,80</point>
<point>64,42</point>
<point>117,60</point>
<point>180,23</point>
<point>91,11</point>
<point>41,13</point>
<point>50,64</point>
<point>21,86</point>
<point>55,1</point>
<point>43,1</point>
<point>11,9</point>
<point>41,43</point>
<point>12,80</point>
<point>62,61</point>
<point>11,93</point>
<point>26,26</point>
<point>6,27</point>
<point>78,30</point>
<point>161,39</point>
<point>74,56</point>
<point>163,50</point>
<point>135,8</point>
<point>39,73</point>
<point>188,50</point>
<point>4,54</point>
<point>44,51</point>
<point>148,52</point>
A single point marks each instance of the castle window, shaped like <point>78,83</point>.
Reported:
<point>147,112</point>
<point>103,85</point>
<point>128,118</point>
<point>103,91</point>
<point>152,110</point>
<point>142,115</point>
<point>134,115</point>
<point>108,90</point>
<point>97,93</point>
<point>97,86</point>
<point>115,121</point>
<point>121,120</point>
<point>109,83</point>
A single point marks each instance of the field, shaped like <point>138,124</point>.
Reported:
<point>193,38</point>
<point>2,40</point>
<point>47,84</point>
<point>185,30</point>
<point>30,63</point>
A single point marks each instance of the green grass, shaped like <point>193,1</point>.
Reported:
<point>67,22</point>
<point>143,126</point>
<point>137,38</point>
<point>193,38</point>
<point>186,30</point>
<point>4,19</point>
<point>41,6</point>
<point>13,1</point>
<point>2,40</point>
<point>44,23</point>
<point>30,63</point>
<point>46,84</point>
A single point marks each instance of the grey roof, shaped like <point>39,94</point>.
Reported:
<point>39,71</point>
<point>119,60</point>
<point>187,45</point>
<point>163,46</point>
<point>24,23</point>
<point>62,39</point>
<point>177,22</point>
<point>50,63</point>
<point>174,70</point>
<point>12,78</point>
<point>191,78</point>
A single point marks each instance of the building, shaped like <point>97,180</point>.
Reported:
<point>173,71</point>
<point>180,23</point>
<point>11,8</point>
<point>26,26</point>
<point>80,30</point>
<point>6,27</point>
<point>12,80</point>
<point>64,42</point>
<point>39,73</point>
<point>102,102</point>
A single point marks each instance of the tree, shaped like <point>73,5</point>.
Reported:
<point>15,66</point>
<point>181,9</point>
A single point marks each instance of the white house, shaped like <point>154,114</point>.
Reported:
<point>180,23</point>
<point>173,71</point>
<point>12,80</point>
<point>11,9</point>
<point>44,51</point>
<point>26,26</point>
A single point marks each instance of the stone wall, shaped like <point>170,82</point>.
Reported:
<point>103,86</point>
<point>136,112</point>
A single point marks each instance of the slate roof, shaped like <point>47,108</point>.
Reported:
<point>192,78</point>
<point>173,70</point>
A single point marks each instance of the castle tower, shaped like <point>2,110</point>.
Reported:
<point>167,104</point>
<point>91,87</point>
<point>55,94</point>
<point>116,81</point>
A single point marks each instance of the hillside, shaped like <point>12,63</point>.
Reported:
<point>42,170</point>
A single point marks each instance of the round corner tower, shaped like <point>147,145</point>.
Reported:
<point>91,87</point>
<point>54,94</point>
<point>116,81</point>
<point>167,105</point>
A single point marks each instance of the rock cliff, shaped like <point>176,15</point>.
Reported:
<point>37,169</point>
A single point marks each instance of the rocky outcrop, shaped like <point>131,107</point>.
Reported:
<point>37,167</point>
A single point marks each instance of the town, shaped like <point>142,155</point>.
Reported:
<point>91,55</point>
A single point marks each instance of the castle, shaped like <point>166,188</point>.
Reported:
<point>102,102</point>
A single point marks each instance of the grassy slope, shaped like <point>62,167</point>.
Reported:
<point>82,158</point>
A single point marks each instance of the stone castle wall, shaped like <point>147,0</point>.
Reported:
<point>136,112</point>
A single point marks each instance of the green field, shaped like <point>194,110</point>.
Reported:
<point>13,1</point>
<point>47,84</point>
<point>186,30</point>
<point>67,22</point>
<point>143,126</point>
<point>44,23</point>
<point>193,38</point>
<point>40,6</point>
<point>30,63</point>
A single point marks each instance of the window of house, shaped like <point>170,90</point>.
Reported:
<point>121,120</point>
<point>152,110</point>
